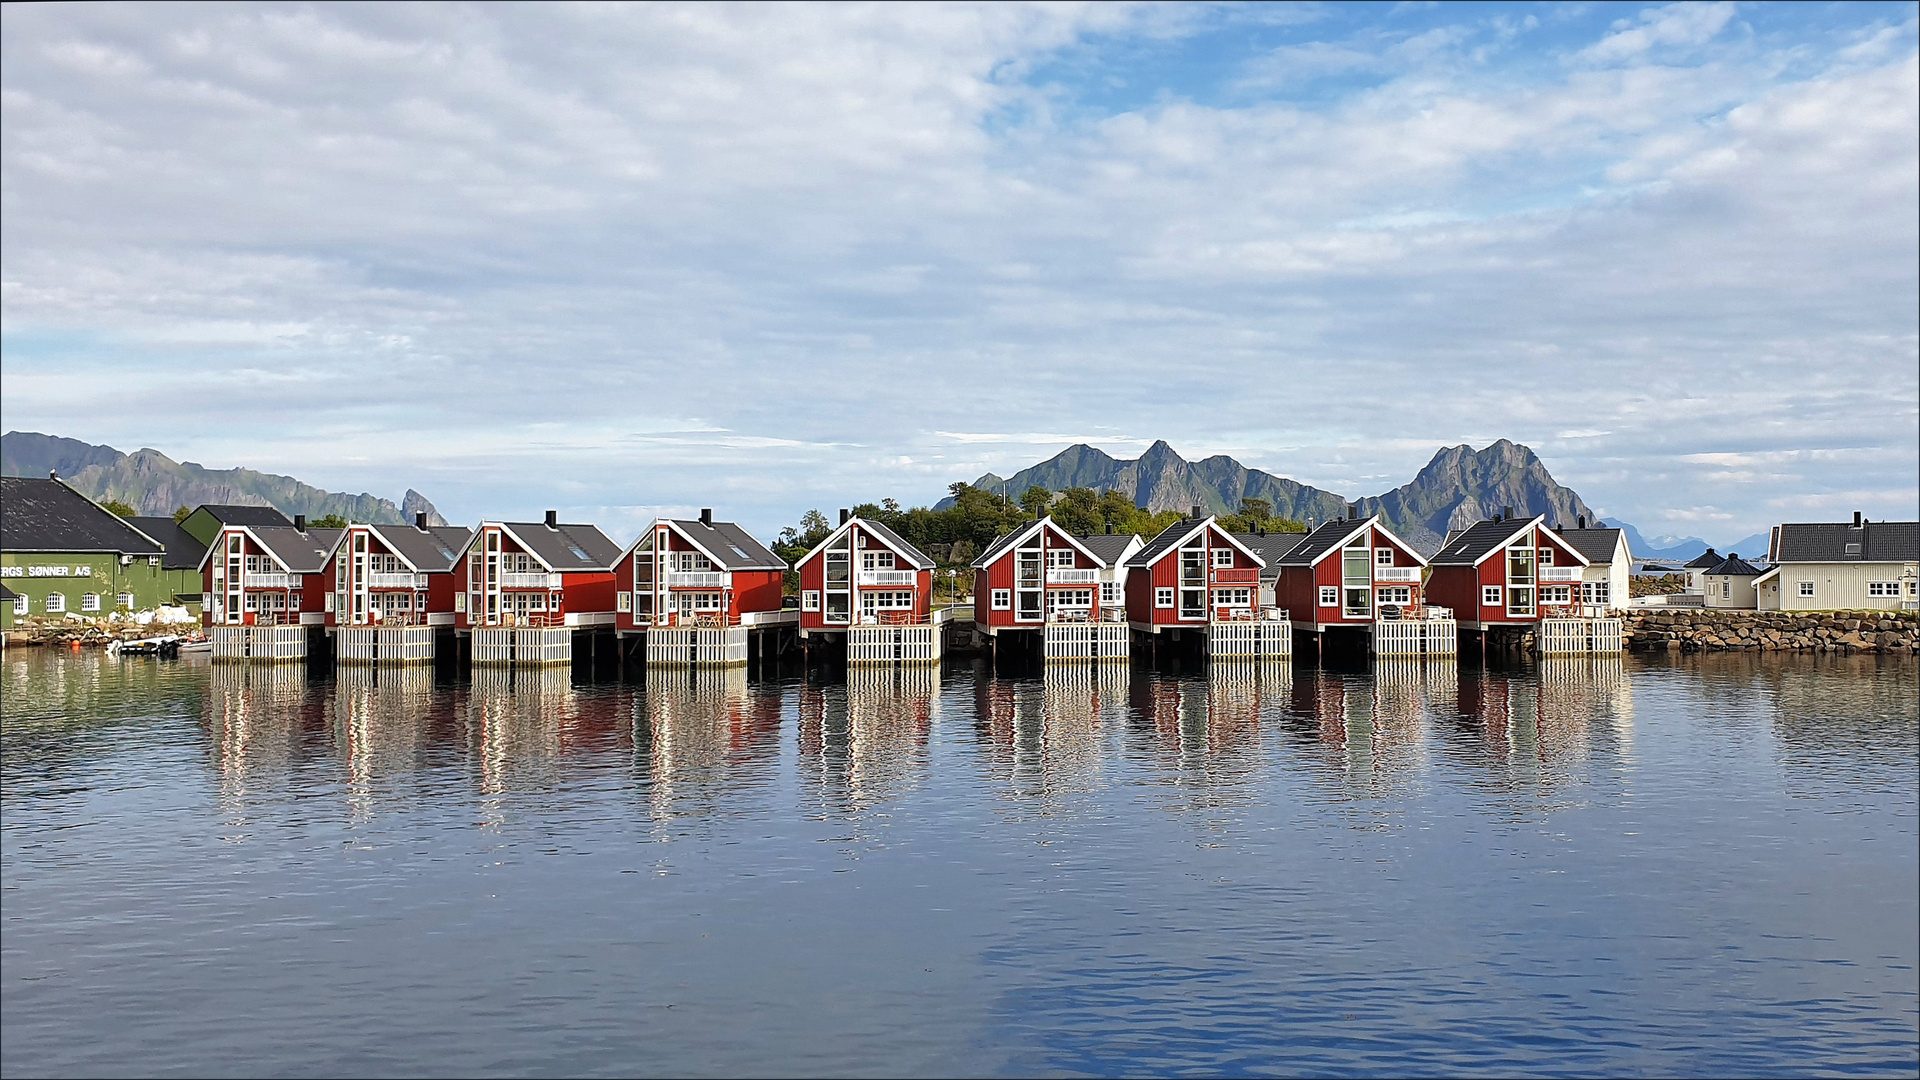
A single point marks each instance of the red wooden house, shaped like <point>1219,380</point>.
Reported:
<point>864,574</point>
<point>1037,574</point>
<point>1348,573</point>
<point>537,574</point>
<point>1192,574</point>
<point>267,575</point>
<point>1506,571</point>
<point>703,572</point>
<point>396,575</point>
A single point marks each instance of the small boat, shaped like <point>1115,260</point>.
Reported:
<point>165,645</point>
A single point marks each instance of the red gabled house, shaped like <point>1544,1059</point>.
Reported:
<point>1192,574</point>
<point>1347,573</point>
<point>537,574</point>
<point>864,574</point>
<point>267,575</point>
<point>1506,571</point>
<point>396,575</point>
<point>1037,574</point>
<point>698,572</point>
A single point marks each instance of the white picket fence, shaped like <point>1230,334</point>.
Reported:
<point>383,644</point>
<point>893,644</point>
<point>1262,639</point>
<point>698,646</point>
<point>258,642</point>
<point>1416,637</point>
<point>1563,637</point>
<point>522,645</point>
<point>1087,641</point>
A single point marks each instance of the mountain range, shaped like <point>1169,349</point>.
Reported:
<point>154,484</point>
<point>1459,486</point>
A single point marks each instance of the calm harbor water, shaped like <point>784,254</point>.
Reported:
<point>1703,866</point>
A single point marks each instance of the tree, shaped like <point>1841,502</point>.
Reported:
<point>1035,500</point>
<point>118,508</point>
<point>181,513</point>
<point>1078,511</point>
<point>331,521</point>
<point>1256,510</point>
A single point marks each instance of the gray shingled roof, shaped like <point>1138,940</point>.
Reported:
<point>433,550</point>
<point>1171,536</point>
<point>1273,547</point>
<point>1330,535</point>
<point>244,514</point>
<point>47,515</point>
<point>1109,546</point>
<point>6,593</point>
<point>1734,566</point>
<point>1476,540</point>
<point>1880,541</point>
<point>730,546</point>
<point>567,548</point>
<point>1596,544</point>
<point>893,539</point>
<point>300,552</point>
<point>1706,560</point>
<point>183,551</point>
<point>1000,544</point>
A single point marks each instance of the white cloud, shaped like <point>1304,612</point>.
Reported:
<point>1674,24</point>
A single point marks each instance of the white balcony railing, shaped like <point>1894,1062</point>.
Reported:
<point>886,577</point>
<point>396,581</point>
<point>1406,575</point>
<point>1068,576</point>
<point>698,579</point>
<point>539,580</point>
<point>268,581</point>
<point>1560,573</point>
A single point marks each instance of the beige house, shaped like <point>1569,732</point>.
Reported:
<point>1821,566</point>
<point>1730,585</point>
<point>1603,583</point>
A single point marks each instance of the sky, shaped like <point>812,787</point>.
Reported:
<point>624,261</point>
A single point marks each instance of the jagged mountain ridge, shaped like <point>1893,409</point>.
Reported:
<point>1459,486</point>
<point>154,484</point>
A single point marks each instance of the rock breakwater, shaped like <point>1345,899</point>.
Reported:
<point>1699,629</point>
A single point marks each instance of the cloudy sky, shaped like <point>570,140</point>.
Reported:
<point>628,259</point>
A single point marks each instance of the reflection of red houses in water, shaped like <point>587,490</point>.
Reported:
<point>267,575</point>
<point>396,575</point>
<point>538,574</point>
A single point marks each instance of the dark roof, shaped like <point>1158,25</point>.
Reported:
<point>1000,544</point>
<point>1705,560</point>
<point>6,593</point>
<point>47,515</point>
<point>730,546</point>
<point>1169,537</point>
<point>243,514</point>
<point>1272,547</point>
<point>1328,536</point>
<point>300,552</point>
<point>1734,566</point>
<point>567,547</point>
<point>1109,546</point>
<point>1596,544</point>
<point>1879,541</point>
<point>914,555</point>
<point>184,550</point>
<point>435,549</point>
<point>1468,545</point>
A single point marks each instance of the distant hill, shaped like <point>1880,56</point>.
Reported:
<point>154,484</point>
<point>1459,486</point>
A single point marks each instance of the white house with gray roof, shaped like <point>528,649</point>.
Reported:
<point>1828,566</point>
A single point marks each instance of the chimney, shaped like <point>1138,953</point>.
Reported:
<point>1559,528</point>
<point>1109,528</point>
<point>706,515</point>
<point>1506,514</point>
<point>420,521</point>
<point>844,515</point>
<point>1856,519</point>
<point>53,474</point>
<point>299,523</point>
<point>1582,519</point>
<point>1353,511</point>
<point>553,519</point>
<point>1197,515</point>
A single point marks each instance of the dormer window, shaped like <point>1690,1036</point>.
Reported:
<point>1853,549</point>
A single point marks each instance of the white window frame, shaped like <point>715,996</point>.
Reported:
<point>887,600</point>
<point>1223,558</point>
<point>1002,599</point>
<point>1234,597</point>
<point>1109,592</point>
<point>1726,589</point>
<point>90,601</point>
<point>810,600</point>
<point>1493,596</point>
<point>56,603</point>
<point>20,605</point>
<point>1060,558</point>
<point>1806,589</point>
<point>1163,597</point>
<point>1883,588</point>
<point>1070,599</point>
<point>123,600</point>
<point>1393,594</point>
<point>1556,594</point>
<point>1383,556</point>
<point>876,560</point>
<point>1329,596</point>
